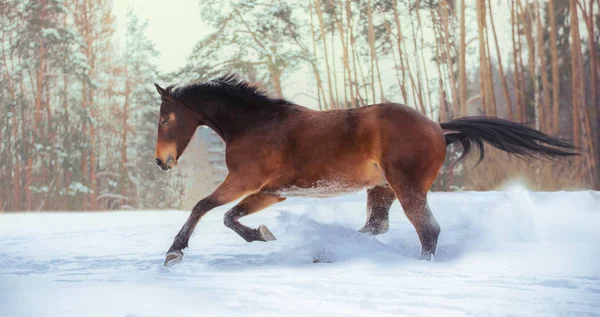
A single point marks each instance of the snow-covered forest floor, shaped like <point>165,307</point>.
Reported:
<point>513,253</point>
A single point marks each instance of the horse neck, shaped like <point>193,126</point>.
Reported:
<point>230,118</point>
<point>225,119</point>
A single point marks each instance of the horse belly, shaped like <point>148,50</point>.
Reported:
<point>332,185</point>
<point>322,189</point>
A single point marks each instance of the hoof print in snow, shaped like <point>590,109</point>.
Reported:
<point>323,256</point>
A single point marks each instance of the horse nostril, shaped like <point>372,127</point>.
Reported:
<point>159,162</point>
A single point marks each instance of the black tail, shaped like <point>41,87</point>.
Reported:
<point>511,137</point>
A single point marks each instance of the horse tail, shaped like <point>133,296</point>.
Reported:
<point>511,137</point>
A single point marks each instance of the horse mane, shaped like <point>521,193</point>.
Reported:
<point>229,85</point>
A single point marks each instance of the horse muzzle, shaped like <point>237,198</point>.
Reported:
<point>166,165</point>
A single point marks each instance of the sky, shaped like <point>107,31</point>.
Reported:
<point>174,27</point>
<point>177,26</point>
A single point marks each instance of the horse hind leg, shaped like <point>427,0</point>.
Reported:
<point>411,189</point>
<point>418,213</point>
<point>379,201</point>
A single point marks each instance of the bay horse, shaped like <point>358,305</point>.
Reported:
<point>277,149</point>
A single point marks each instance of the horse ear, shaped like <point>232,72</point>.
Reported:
<point>163,92</point>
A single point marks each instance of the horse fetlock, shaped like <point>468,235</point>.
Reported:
<point>376,228</point>
<point>428,248</point>
<point>383,227</point>
<point>427,255</point>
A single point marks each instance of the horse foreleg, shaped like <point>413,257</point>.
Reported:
<point>379,201</point>
<point>230,190</point>
<point>248,206</point>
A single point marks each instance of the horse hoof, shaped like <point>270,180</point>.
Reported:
<point>426,256</point>
<point>374,231</point>
<point>173,258</point>
<point>265,234</point>
<point>365,230</point>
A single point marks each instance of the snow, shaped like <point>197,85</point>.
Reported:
<point>510,252</point>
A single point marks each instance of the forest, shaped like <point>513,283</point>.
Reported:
<point>79,113</point>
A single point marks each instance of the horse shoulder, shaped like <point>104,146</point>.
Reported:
<point>255,153</point>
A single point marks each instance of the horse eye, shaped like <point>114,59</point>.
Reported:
<point>163,121</point>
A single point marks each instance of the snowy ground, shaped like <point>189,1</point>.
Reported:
<point>510,253</point>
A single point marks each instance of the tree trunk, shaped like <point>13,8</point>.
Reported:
<point>332,102</point>
<point>38,108</point>
<point>485,65</point>
<point>418,86</point>
<point>442,110</point>
<point>463,62</point>
<point>275,73</point>
<point>40,75</point>
<point>91,108</point>
<point>546,127</point>
<point>449,62</point>
<point>595,117</point>
<point>575,67</point>
<point>320,92</point>
<point>346,65</point>
<point>16,169</point>
<point>509,112</point>
<point>581,121</point>
<point>400,55</point>
<point>355,58</point>
<point>355,65</point>
<point>517,60</point>
<point>490,79</point>
<point>124,132</point>
<point>526,20</point>
<point>396,65</point>
<point>555,74</point>
<point>346,60</point>
<point>589,22</point>
<point>419,68</point>
<point>333,62</point>
<point>374,61</point>
<point>13,170</point>
<point>482,60</point>
<point>84,152</point>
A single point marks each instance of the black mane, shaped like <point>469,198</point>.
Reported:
<point>227,86</point>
